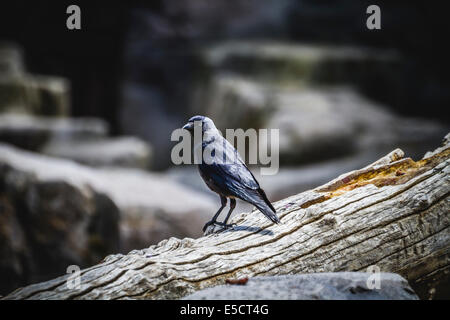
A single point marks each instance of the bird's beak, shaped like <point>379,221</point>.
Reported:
<point>189,126</point>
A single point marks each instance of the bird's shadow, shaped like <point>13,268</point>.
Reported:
<point>218,229</point>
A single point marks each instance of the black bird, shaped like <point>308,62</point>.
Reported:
<point>230,178</point>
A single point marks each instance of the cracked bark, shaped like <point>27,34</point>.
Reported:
<point>393,214</point>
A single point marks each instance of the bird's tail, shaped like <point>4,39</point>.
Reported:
<point>261,202</point>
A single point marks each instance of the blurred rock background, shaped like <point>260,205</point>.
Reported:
<point>86,116</point>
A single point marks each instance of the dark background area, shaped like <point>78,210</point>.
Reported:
<point>94,59</point>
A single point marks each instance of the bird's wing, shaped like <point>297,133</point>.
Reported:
<point>232,179</point>
<point>233,169</point>
<point>238,181</point>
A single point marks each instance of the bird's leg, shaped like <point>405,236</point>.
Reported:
<point>232,206</point>
<point>213,220</point>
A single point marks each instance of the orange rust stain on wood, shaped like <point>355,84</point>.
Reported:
<point>393,174</point>
<point>399,173</point>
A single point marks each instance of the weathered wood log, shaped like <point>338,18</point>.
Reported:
<point>393,214</point>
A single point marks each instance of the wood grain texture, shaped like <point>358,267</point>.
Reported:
<point>393,214</point>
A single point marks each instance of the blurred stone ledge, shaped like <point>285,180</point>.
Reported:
<point>337,119</point>
<point>28,93</point>
<point>11,59</point>
<point>299,64</point>
<point>84,140</point>
<point>129,152</point>
<point>55,212</point>
<point>317,96</point>
<point>313,286</point>
<point>34,116</point>
<point>33,132</point>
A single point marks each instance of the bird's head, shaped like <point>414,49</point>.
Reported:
<point>204,122</point>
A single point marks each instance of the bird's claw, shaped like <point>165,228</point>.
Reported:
<point>225,226</point>
<point>221,224</point>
